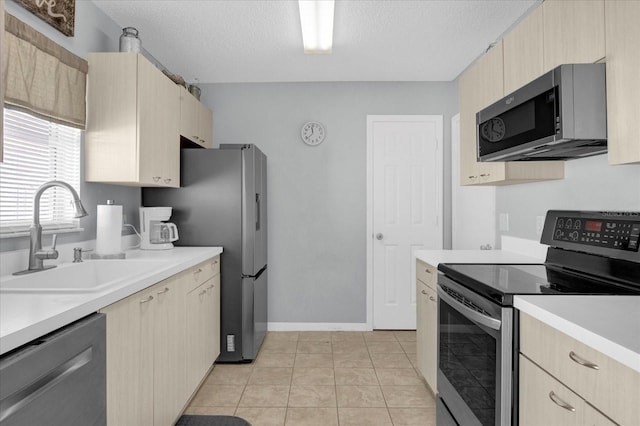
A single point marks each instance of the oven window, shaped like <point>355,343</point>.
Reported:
<point>467,357</point>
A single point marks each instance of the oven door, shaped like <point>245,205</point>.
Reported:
<point>474,356</point>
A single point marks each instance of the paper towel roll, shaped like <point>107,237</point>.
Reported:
<point>109,230</point>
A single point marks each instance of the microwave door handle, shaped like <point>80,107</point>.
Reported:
<point>475,316</point>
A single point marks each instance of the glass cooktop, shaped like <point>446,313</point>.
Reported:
<point>501,281</point>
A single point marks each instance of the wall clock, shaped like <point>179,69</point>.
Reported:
<point>313,133</point>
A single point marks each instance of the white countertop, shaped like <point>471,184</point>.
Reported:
<point>434,257</point>
<point>25,317</point>
<point>609,324</point>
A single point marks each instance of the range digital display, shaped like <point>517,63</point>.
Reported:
<point>593,226</point>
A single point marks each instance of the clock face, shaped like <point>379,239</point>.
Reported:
<point>313,133</point>
<point>493,130</point>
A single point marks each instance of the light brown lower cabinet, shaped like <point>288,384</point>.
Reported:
<point>607,391</point>
<point>427,322</point>
<point>544,401</point>
<point>161,342</point>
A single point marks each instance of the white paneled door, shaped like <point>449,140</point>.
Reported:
<point>405,211</point>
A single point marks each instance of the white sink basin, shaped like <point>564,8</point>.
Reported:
<point>86,277</point>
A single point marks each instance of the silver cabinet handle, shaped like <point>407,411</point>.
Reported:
<point>210,287</point>
<point>485,174</point>
<point>578,359</point>
<point>202,292</point>
<point>166,289</point>
<point>379,236</point>
<point>423,292</point>
<point>433,299</point>
<point>156,178</point>
<point>428,271</point>
<point>196,273</point>
<point>560,403</point>
<point>472,177</point>
<point>167,180</point>
<point>148,299</point>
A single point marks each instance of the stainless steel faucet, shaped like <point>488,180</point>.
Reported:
<point>36,254</point>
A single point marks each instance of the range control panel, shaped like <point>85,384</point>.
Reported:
<point>608,233</point>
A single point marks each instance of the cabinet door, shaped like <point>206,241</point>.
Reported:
<point>195,332</point>
<point>421,326</point>
<point>523,52</point>
<point>623,83</point>
<point>111,138</point>
<point>211,320</point>
<point>170,387</point>
<point>189,115</point>
<point>573,32</point>
<point>480,86</point>
<point>431,338</point>
<point>544,401</point>
<point>205,126</point>
<point>158,120</point>
<point>130,360</point>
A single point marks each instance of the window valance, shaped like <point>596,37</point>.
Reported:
<point>42,77</point>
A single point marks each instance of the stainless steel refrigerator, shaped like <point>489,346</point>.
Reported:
<point>222,201</point>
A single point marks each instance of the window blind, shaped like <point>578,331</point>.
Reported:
<point>37,151</point>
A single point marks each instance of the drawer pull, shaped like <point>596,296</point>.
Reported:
<point>560,403</point>
<point>423,292</point>
<point>166,289</point>
<point>433,299</point>
<point>579,360</point>
<point>156,178</point>
<point>210,287</point>
<point>428,271</point>
<point>196,273</point>
<point>148,299</point>
<point>202,292</point>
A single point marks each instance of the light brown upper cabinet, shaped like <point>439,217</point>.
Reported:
<point>573,32</point>
<point>196,120</point>
<point>523,52</point>
<point>480,86</point>
<point>623,80</point>
<point>133,118</point>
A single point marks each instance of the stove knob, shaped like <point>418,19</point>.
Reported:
<point>558,234</point>
<point>574,235</point>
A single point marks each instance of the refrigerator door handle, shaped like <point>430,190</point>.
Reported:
<point>257,212</point>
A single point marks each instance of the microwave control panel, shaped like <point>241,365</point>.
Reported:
<point>609,233</point>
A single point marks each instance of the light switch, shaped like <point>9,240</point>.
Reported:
<point>504,222</point>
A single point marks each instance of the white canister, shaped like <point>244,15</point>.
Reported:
<point>129,40</point>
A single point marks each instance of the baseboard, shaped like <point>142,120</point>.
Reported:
<point>317,326</point>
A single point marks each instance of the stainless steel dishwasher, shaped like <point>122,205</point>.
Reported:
<point>58,379</point>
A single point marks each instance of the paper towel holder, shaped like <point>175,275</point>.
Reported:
<point>119,255</point>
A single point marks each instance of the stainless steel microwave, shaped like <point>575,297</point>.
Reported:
<point>560,115</point>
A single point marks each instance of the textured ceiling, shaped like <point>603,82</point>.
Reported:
<point>261,40</point>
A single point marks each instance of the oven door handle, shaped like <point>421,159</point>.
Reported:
<point>473,315</point>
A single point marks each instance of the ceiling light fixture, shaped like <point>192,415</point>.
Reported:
<point>316,17</point>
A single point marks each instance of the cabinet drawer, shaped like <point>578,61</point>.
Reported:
<point>202,272</point>
<point>427,274</point>
<point>612,388</point>
<point>546,401</point>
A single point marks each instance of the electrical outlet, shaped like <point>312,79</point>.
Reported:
<point>504,222</point>
<point>539,225</point>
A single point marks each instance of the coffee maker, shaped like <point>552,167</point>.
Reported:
<point>156,233</point>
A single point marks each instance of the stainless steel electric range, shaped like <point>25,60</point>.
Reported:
<point>589,253</point>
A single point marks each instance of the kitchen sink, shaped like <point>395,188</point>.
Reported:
<point>86,277</point>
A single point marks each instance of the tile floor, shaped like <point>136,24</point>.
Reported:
<point>323,378</point>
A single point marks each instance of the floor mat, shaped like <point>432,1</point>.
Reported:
<point>191,420</point>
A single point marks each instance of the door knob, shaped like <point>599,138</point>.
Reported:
<point>379,236</point>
